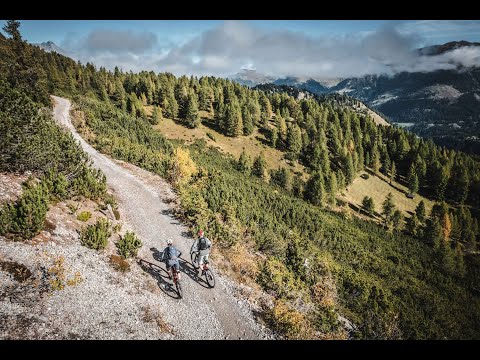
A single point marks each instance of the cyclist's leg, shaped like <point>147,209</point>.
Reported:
<point>201,261</point>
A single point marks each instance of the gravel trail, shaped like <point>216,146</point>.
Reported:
<point>203,313</point>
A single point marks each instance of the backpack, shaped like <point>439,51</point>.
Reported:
<point>171,253</point>
<point>202,244</point>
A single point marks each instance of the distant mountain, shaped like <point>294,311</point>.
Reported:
<point>251,78</point>
<point>440,49</point>
<point>442,104</point>
<point>50,46</point>
<point>333,98</point>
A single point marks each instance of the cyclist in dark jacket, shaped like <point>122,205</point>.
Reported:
<point>170,256</point>
<point>202,245</point>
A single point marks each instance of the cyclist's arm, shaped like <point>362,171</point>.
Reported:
<point>194,247</point>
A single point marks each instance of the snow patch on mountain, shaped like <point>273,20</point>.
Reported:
<point>440,92</point>
<point>384,98</point>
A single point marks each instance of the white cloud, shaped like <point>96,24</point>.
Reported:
<point>233,45</point>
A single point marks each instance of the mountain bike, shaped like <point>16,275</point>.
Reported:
<point>176,281</point>
<point>206,272</point>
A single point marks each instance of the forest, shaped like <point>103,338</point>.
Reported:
<point>413,278</point>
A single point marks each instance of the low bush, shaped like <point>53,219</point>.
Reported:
<point>84,216</point>
<point>96,236</point>
<point>25,218</point>
<point>128,245</point>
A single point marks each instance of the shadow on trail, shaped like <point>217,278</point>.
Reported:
<point>188,269</point>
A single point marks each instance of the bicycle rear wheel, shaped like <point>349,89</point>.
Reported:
<point>193,257</point>
<point>210,278</point>
<point>179,289</point>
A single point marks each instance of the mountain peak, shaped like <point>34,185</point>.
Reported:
<point>50,46</point>
<point>440,49</point>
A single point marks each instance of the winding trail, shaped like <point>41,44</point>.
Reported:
<point>203,313</point>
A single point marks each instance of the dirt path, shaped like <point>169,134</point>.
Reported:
<point>203,313</point>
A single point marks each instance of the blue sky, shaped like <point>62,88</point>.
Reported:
<point>218,47</point>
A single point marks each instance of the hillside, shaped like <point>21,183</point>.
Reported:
<point>306,268</point>
<point>443,105</point>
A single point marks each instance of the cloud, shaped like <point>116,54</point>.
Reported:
<point>233,45</point>
<point>120,41</point>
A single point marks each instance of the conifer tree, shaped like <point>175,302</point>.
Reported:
<point>244,162</point>
<point>259,167</point>
<point>421,212</point>
<point>388,208</point>
<point>315,189</point>
<point>192,117</point>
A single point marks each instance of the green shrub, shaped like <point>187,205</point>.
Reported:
<point>26,217</point>
<point>117,214</point>
<point>96,236</point>
<point>128,245</point>
<point>84,216</point>
<point>275,278</point>
<point>288,321</point>
<point>57,185</point>
<point>90,183</point>
<point>109,199</point>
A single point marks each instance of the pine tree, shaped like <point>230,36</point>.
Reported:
<point>248,126</point>
<point>388,208</point>
<point>273,137</point>
<point>412,180</point>
<point>11,28</point>
<point>294,140</point>
<point>396,219</point>
<point>421,212</point>
<point>297,186</point>
<point>244,162</point>
<point>368,205</point>
<point>375,160</point>
<point>156,116</point>
<point>433,232</point>
<point>192,117</point>
<point>331,187</point>
<point>259,167</point>
<point>393,172</point>
<point>387,164</point>
<point>446,226</point>
<point>349,168</point>
<point>282,129</point>
<point>315,190</point>
<point>281,177</point>
<point>412,225</point>
<point>232,122</point>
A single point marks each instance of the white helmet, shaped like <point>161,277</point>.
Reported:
<point>169,241</point>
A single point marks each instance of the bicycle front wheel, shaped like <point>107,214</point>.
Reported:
<point>210,278</point>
